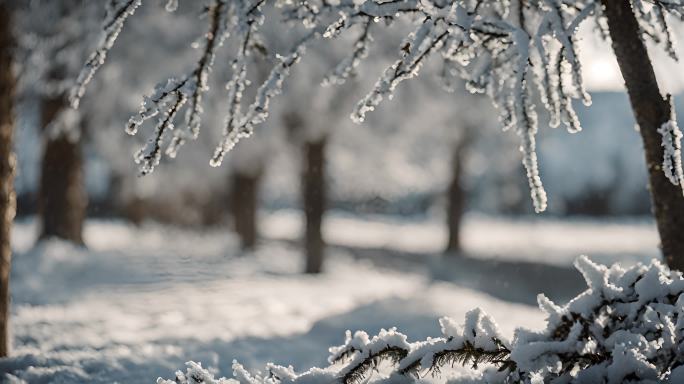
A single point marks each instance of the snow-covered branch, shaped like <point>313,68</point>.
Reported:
<point>627,326</point>
<point>214,38</point>
<point>359,52</point>
<point>239,125</point>
<point>118,12</point>
<point>512,50</point>
<point>654,25</point>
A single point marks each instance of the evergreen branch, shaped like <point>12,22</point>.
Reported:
<point>357,373</point>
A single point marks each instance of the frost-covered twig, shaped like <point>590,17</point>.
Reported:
<point>651,15</point>
<point>169,97</point>
<point>216,34</point>
<point>149,156</point>
<point>118,12</point>
<point>239,126</point>
<point>347,66</point>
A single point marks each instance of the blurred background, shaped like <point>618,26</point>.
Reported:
<point>412,157</point>
<point>421,211</point>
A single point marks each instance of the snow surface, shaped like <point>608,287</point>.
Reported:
<point>141,301</point>
<point>544,241</point>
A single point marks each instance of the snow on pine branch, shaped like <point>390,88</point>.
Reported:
<point>628,326</point>
<point>515,51</point>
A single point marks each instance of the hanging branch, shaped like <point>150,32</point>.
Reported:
<point>169,97</point>
<point>490,44</point>
<point>213,39</point>
<point>117,13</point>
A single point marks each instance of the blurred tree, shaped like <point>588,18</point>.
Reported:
<point>463,129</point>
<point>314,202</point>
<point>7,165</point>
<point>309,117</point>
<point>62,198</point>
<point>19,18</point>
<point>456,193</point>
<point>247,167</point>
<point>52,47</point>
<point>313,190</point>
<point>243,205</point>
<point>313,185</point>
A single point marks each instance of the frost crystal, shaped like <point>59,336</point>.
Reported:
<point>171,5</point>
<point>672,151</point>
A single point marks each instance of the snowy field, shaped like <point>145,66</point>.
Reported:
<point>139,302</point>
<point>539,240</point>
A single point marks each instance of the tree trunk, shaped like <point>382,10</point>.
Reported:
<point>62,198</point>
<point>244,198</point>
<point>651,110</point>
<point>456,196</point>
<point>313,190</point>
<point>7,164</point>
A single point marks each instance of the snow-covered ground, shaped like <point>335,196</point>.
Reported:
<point>547,241</point>
<point>139,302</point>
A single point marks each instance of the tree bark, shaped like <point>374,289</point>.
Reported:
<point>314,199</point>
<point>456,199</point>
<point>62,199</point>
<point>651,110</point>
<point>7,165</point>
<point>244,199</point>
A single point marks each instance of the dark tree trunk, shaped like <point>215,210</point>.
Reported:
<point>651,110</point>
<point>456,199</point>
<point>314,199</point>
<point>7,163</point>
<point>62,199</point>
<point>244,199</point>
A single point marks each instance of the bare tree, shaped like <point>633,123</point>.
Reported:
<point>651,111</point>
<point>244,201</point>
<point>51,44</point>
<point>312,187</point>
<point>314,202</point>
<point>7,165</point>
<point>62,199</point>
<point>457,194</point>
